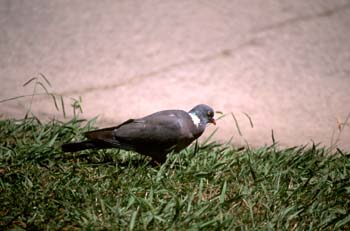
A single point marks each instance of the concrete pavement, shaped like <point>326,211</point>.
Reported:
<point>284,63</point>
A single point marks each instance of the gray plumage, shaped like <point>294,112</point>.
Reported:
<point>154,135</point>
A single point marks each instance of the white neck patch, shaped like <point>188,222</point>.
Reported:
<point>195,119</point>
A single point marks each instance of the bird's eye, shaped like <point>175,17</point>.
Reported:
<point>210,113</point>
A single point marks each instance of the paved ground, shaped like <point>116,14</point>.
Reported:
<point>285,63</point>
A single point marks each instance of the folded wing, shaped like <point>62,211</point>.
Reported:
<point>156,133</point>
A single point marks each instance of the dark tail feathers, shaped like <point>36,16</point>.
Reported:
<point>89,144</point>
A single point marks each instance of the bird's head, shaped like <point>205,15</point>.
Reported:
<point>204,113</point>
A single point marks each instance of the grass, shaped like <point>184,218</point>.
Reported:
<point>205,187</point>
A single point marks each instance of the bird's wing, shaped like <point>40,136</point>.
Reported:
<point>154,133</point>
<point>162,127</point>
<point>104,133</point>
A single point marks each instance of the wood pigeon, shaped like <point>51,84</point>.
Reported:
<point>154,135</point>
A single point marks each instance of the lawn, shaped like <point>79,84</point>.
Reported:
<point>208,186</point>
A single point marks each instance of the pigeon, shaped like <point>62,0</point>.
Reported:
<point>154,135</point>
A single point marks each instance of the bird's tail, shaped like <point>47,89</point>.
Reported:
<point>88,144</point>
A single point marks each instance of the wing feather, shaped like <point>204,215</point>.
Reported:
<point>160,128</point>
<point>156,133</point>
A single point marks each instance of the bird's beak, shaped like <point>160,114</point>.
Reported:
<point>212,120</point>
